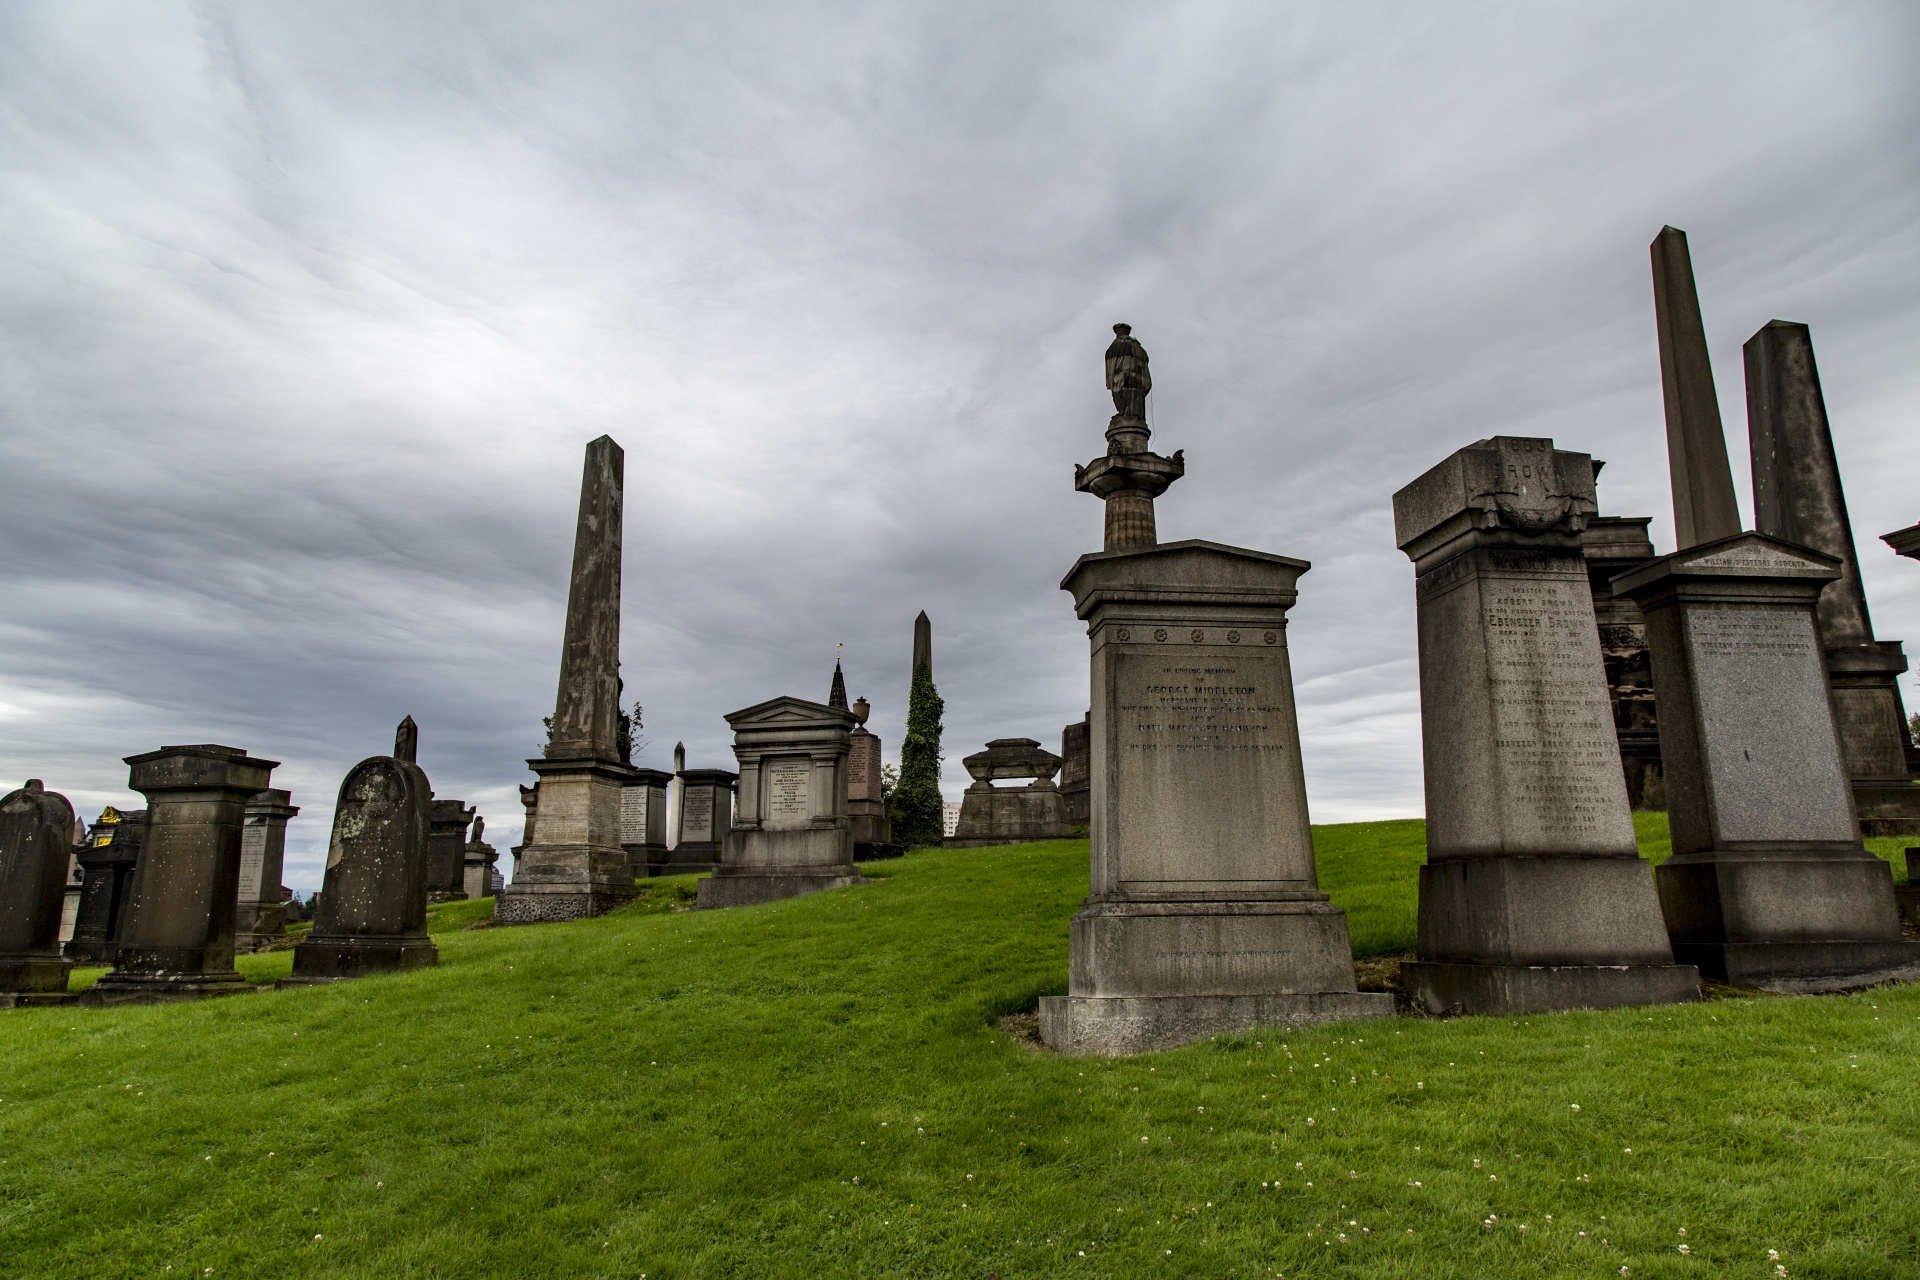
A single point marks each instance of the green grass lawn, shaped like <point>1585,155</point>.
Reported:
<point>824,1087</point>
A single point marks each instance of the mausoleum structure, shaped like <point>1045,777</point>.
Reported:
<point>36,842</point>
<point>177,940</point>
<point>991,815</point>
<point>261,918</point>
<point>1534,895</point>
<point>791,834</point>
<point>573,864</point>
<point>1205,916</point>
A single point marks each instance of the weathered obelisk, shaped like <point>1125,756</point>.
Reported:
<point>1797,497</point>
<point>1768,884</point>
<point>573,865</point>
<point>1204,916</point>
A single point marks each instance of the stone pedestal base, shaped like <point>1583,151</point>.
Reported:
<point>1788,921</point>
<point>991,815</point>
<point>336,959</point>
<point>1439,987</point>
<point>33,979</point>
<point>744,886</point>
<point>140,988</point>
<point>1112,1026</point>
<point>1887,808</point>
<point>260,925</point>
<point>547,903</point>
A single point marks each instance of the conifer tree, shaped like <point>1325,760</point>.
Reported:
<point>914,804</point>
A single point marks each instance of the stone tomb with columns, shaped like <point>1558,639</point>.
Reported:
<point>262,914</point>
<point>643,822</point>
<point>177,940</point>
<point>36,841</point>
<point>1205,916</point>
<point>791,832</point>
<point>1534,895</point>
<point>991,815</point>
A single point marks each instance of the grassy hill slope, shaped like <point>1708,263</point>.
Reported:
<point>822,1087</point>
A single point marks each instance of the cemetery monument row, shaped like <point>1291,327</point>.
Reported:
<point>1534,895</point>
<point>991,815</point>
<point>36,842</point>
<point>572,864</point>
<point>1768,884</point>
<point>261,917</point>
<point>791,833</point>
<point>177,940</point>
<point>1205,915</point>
<point>373,903</point>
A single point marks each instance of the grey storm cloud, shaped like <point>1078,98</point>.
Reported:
<point>309,312</point>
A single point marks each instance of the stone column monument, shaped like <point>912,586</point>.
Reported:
<point>791,834</point>
<point>1768,884</point>
<point>373,904</point>
<point>1205,915</point>
<point>1534,896</point>
<point>36,840</point>
<point>1797,498</point>
<point>177,942</point>
<point>447,849</point>
<point>866,801</point>
<point>262,913</point>
<point>572,864</point>
<point>643,822</point>
<point>706,814</point>
<point>107,862</point>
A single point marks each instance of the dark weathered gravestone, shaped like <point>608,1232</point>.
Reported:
<point>447,850</point>
<point>372,916</point>
<point>791,834</point>
<point>573,865</point>
<point>1533,896</point>
<point>36,840</point>
<point>991,815</point>
<point>261,918</point>
<point>177,941</point>
<point>643,821</point>
<point>1074,776</point>
<point>703,820</point>
<point>1797,497</point>
<point>108,856</point>
<point>1204,915</point>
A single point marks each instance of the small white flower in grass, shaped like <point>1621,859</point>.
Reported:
<point>1476,1164</point>
<point>1686,1248</point>
<point>1773,1255</point>
<point>1781,1271</point>
<point>1683,1231</point>
<point>1576,1106</point>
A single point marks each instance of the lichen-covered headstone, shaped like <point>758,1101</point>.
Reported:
<point>36,833</point>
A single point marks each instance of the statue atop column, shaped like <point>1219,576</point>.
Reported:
<point>1130,476</point>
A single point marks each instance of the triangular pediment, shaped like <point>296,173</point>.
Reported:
<point>789,711</point>
<point>1755,552</point>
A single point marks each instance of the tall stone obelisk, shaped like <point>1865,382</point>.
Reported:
<point>1797,496</point>
<point>1205,915</point>
<point>1768,884</point>
<point>573,865</point>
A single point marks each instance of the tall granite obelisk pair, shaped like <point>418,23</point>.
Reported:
<point>573,865</point>
<point>1205,915</point>
<point>1768,884</point>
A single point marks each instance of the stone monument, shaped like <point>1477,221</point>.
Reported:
<point>36,841</point>
<point>1612,545</point>
<point>373,903</point>
<point>447,849</point>
<point>643,822</point>
<point>706,813</point>
<point>530,802</point>
<point>791,833</point>
<point>480,860</point>
<point>177,940</point>
<point>673,794</point>
<point>1074,782</point>
<point>572,865</point>
<point>1205,916</point>
<point>1768,884</point>
<point>261,917</point>
<point>107,858</point>
<point>1797,498</point>
<point>866,799</point>
<point>991,815</point>
<point>1533,896</point>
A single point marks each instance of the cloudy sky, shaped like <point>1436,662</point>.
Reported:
<point>307,312</point>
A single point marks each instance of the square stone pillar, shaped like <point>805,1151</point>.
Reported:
<point>573,866</point>
<point>36,844</point>
<point>177,943</point>
<point>261,916</point>
<point>1205,915</point>
<point>447,850</point>
<point>643,822</point>
<point>1534,895</point>
<point>701,822</point>
<point>791,833</point>
<point>1768,885</point>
